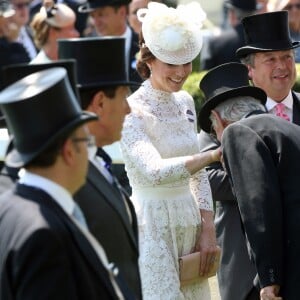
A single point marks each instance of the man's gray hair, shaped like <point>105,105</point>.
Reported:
<point>248,59</point>
<point>236,108</point>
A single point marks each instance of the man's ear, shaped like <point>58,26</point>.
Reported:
<point>68,152</point>
<point>249,71</point>
<point>97,103</point>
<point>217,116</point>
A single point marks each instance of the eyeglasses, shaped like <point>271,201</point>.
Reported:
<point>21,5</point>
<point>291,6</point>
<point>89,140</point>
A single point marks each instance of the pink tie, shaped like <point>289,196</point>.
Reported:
<point>280,111</point>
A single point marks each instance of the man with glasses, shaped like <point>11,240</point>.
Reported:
<point>11,52</point>
<point>46,250</point>
<point>21,20</point>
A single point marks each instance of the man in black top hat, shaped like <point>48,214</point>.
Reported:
<point>46,251</point>
<point>221,48</point>
<point>261,157</point>
<point>13,73</point>
<point>104,85</point>
<point>110,19</point>
<point>269,56</point>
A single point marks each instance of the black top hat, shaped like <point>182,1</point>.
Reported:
<point>101,61</point>
<point>245,5</point>
<point>222,83</point>
<point>266,32</point>
<point>15,72</point>
<point>38,109</point>
<point>93,4</point>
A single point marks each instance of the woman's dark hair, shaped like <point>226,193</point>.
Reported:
<point>145,56</point>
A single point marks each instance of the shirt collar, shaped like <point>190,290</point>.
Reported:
<point>57,192</point>
<point>92,152</point>
<point>288,102</point>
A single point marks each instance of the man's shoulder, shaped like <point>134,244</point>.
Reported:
<point>296,94</point>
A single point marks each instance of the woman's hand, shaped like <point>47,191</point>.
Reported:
<point>207,243</point>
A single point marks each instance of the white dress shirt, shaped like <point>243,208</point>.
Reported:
<point>288,102</point>
<point>66,202</point>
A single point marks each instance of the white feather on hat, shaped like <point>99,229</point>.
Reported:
<point>173,35</point>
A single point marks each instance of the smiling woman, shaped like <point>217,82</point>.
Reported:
<point>170,191</point>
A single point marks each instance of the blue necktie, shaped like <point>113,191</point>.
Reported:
<point>107,159</point>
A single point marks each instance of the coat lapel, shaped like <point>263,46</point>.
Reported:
<point>84,246</point>
<point>113,196</point>
<point>296,108</point>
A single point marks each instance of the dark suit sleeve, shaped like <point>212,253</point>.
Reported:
<point>42,269</point>
<point>254,176</point>
<point>218,179</point>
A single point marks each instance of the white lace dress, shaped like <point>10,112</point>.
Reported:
<point>157,135</point>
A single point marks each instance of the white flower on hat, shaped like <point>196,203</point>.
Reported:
<point>172,35</point>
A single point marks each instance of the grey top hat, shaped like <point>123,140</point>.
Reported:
<point>266,32</point>
<point>38,109</point>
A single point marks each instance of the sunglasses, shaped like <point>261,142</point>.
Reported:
<point>291,6</point>
<point>21,5</point>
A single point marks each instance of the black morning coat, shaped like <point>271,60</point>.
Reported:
<point>103,205</point>
<point>43,254</point>
<point>261,156</point>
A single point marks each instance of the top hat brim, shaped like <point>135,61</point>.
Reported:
<point>90,86</point>
<point>86,8</point>
<point>266,47</point>
<point>16,159</point>
<point>91,6</point>
<point>258,6</point>
<point>210,104</point>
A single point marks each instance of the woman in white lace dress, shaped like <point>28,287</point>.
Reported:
<point>170,190</point>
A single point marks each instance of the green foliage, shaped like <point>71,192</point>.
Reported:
<point>192,86</point>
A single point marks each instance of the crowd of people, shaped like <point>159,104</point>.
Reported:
<point>71,227</point>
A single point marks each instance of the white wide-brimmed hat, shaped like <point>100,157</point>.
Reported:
<point>59,15</point>
<point>173,35</point>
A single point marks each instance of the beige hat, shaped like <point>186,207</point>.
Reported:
<point>59,15</point>
<point>173,35</point>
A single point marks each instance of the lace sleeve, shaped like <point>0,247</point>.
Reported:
<point>140,154</point>
<point>201,190</point>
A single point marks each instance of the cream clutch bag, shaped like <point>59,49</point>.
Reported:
<point>189,268</point>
